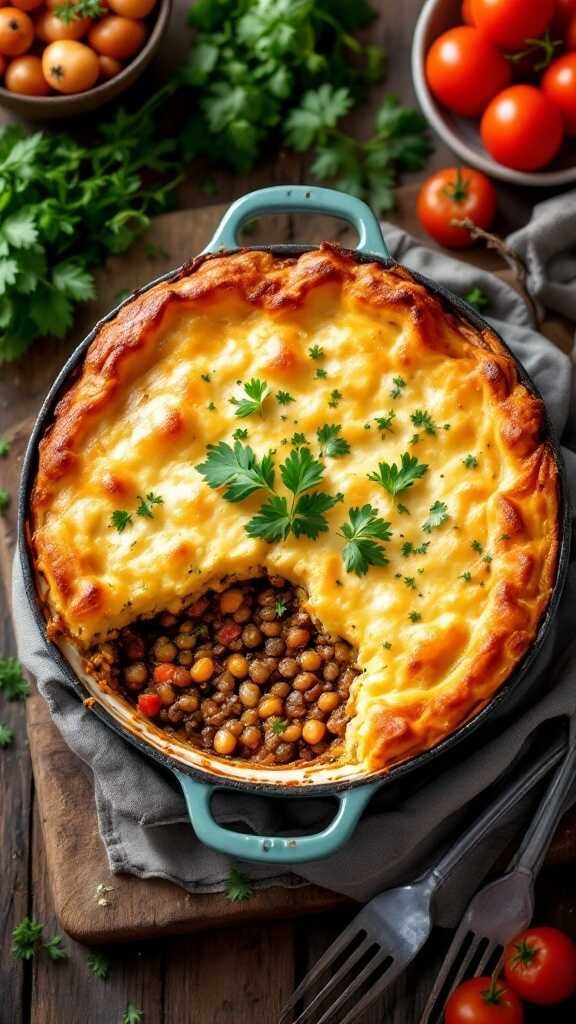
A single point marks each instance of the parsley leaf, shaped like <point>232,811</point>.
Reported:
<point>385,422</point>
<point>415,617</point>
<point>471,462</point>
<point>421,418</point>
<point>316,352</point>
<point>99,965</point>
<point>25,938</point>
<point>301,471</point>
<point>320,373</point>
<point>399,384</point>
<point>237,469</point>
<point>280,608</point>
<point>362,533</point>
<point>132,1015</point>
<point>335,398</point>
<point>331,444</point>
<point>309,515</point>
<point>438,514</point>
<point>4,501</point>
<point>4,447</point>
<point>396,479</point>
<point>410,582</point>
<point>256,392</point>
<point>402,509</point>
<point>476,546</point>
<point>238,886</point>
<point>54,948</point>
<point>80,9</point>
<point>477,298</point>
<point>279,725</point>
<point>120,519</point>
<point>466,576</point>
<point>272,521</point>
<point>298,440</point>
<point>6,735</point>
<point>284,397</point>
<point>145,507</point>
<point>409,549</point>
<point>12,683</point>
<point>240,434</point>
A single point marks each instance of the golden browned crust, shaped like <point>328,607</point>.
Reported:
<point>446,671</point>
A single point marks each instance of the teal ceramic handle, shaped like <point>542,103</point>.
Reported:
<point>273,849</point>
<point>301,199</point>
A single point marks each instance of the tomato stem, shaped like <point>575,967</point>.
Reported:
<point>544,43</point>
<point>458,190</point>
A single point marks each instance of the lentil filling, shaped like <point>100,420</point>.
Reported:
<point>243,673</point>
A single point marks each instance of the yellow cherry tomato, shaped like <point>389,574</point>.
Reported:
<point>25,76</point>
<point>16,31</point>
<point>70,66</point>
<point>117,37</point>
<point>132,8</point>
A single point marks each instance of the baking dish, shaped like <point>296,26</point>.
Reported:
<point>199,774</point>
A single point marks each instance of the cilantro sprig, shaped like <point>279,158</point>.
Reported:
<point>362,534</point>
<point>255,393</point>
<point>396,479</point>
<point>132,1015</point>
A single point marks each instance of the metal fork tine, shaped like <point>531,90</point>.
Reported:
<point>325,961</point>
<point>378,958</point>
<point>334,981</point>
<point>481,967</point>
<point>450,959</point>
<point>387,978</point>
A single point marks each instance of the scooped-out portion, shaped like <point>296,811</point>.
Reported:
<point>242,673</point>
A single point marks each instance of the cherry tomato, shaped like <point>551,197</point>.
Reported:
<point>117,37</point>
<point>50,28</point>
<point>540,965</point>
<point>132,8</point>
<point>149,704</point>
<point>70,66</point>
<point>16,31</point>
<point>559,85</point>
<point>453,194</point>
<point>467,12</point>
<point>24,75</point>
<point>483,1001</point>
<point>570,37</point>
<point>109,67</point>
<point>508,23</point>
<point>26,5</point>
<point>565,11</point>
<point>521,128</point>
<point>464,70</point>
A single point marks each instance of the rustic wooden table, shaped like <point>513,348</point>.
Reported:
<point>237,976</point>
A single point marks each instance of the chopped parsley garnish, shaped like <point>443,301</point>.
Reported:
<point>284,398</point>
<point>316,352</point>
<point>240,434</point>
<point>476,546</point>
<point>132,1015</point>
<point>12,683</point>
<point>211,407</point>
<point>362,534</point>
<point>238,886</point>
<point>467,576</point>
<point>387,645</point>
<point>477,298</point>
<point>487,558</point>
<point>505,536</point>
<point>99,965</point>
<point>415,617</point>
<point>6,735</point>
<point>421,418</point>
<point>471,462</point>
<point>410,582</point>
<point>279,725</point>
<point>120,519</point>
<point>414,439</point>
<point>331,444</point>
<point>399,384</point>
<point>146,504</point>
<point>298,440</point>
<point>4,500</point>
<point>335,397</point>
<point>280,608</point>
<point>395,479</point>
<point>255,391</point>
<point>320,373</point>
<point>206,377</point>
<point>409,549</point>
<point>402,509</point>
<point>4,447</point>
<point>438,514</point>
<point>385,422</point>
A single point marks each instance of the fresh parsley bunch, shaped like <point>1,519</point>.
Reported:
<point>253,61</point>
<point>64,208</point>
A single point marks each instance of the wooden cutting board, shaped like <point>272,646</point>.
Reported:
<point>93,905</point>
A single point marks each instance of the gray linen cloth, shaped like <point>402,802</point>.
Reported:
<point>547,244</point>
<point>141,812</point>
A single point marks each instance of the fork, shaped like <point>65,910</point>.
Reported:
<point>504,907</point>
<point>392,928</point>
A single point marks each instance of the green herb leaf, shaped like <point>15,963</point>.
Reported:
<point>362,534</point>
<point>272,521</point>
<point>6,735</point>
<point>4,447</point>
<point>301,471</point>
<point>284,397</point>
<point>477,298</point>
<point>145,508</point>
<point>316,352</point>
<point>410,582</point>
<point>309,516</point>
<point>466,576</point>
<point>471,462</point>
<point>99,965</point>
<point>320,373</point>
<point>238,886</point>
<point>331,444</point>
<point>298,440</point>
<point>54,948</point>
<point>12,683</point>
<point>120,519</point>
<point>256,392</point>
<point>240,434</point>
<point>237,469</point>
<point>409,549</point>
<point>415,617</point>
<point>132,1015</point>
<point>4,501</point>
<point>26,938</point>
<point>438,514</point>
<point>279,725</point>
<point>80,9</point>
<point>396,479</point>
<point>399,385</point>
<point>476,546</point>
<point>335,398</point>
<point>280,608</point>
<point>421,418</point>
<point>384,423</point>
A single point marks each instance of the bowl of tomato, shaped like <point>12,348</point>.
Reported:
<point>61,58</point>
<point>497,80</point>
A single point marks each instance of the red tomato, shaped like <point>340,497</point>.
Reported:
<point>540,965</point>
<point>508,23</point>
<point>453,194</point>
<point>483,1001</point>
<point>559,85</point>
<point>570,38</point>
<point>565,11</point>
<point>467,12</point>
<point>464,70</point>
<point>521,128</point>
<point>149,704</point>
